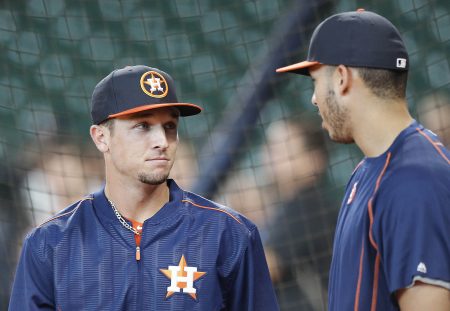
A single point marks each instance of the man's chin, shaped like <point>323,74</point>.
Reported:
<point>153,179</point>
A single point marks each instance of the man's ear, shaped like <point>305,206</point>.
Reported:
<point>343,79</point>
<point>100,135</point>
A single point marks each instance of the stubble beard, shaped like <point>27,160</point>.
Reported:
<point>153,179</point>
<point>338,118</point>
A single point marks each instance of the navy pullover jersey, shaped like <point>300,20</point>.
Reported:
<point>194,255</point>
<point>394,225</point>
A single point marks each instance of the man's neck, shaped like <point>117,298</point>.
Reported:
<point>137,203</point>
<point>378,126</point>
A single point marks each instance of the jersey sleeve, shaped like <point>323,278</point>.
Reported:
<point>32,288</point>
<point>411,227</point>
<point>251,287</point>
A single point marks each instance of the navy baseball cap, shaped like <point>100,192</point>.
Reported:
<point>356,39</point>
<point>134,89</point>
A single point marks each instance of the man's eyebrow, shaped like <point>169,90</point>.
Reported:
<point>175,112</point>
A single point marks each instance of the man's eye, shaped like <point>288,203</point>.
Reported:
<point>171,126</point>
<point>142,126</point>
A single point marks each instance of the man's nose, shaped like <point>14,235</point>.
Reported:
<point>313,99</point>
<point>159,137</point>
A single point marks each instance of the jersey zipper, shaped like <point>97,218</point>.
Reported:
<point>138,253</point>
<point>139,263</point>
<point>138,227</point>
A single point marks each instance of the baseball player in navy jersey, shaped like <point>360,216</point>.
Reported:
<point>392,241</point>
<point>141,242</point>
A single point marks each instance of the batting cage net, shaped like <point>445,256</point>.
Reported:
<point>258,145</point>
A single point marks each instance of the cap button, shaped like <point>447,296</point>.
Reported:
<point>360,10</point>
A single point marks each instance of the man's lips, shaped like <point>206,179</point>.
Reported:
<point>158,159</point>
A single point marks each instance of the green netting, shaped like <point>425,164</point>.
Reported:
<point>52,53</point>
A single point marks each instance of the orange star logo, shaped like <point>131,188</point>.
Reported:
<point>154,84</point>
<point>182,278</point>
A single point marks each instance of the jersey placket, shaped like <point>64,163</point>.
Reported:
<point>137,237</point>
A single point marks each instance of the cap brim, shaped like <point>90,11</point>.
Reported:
<point>184,108</point>
<point>299,68</point>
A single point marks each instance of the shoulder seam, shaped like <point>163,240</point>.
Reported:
<point>68,213</point>
<point>434,144</point>
<point>213,209</point>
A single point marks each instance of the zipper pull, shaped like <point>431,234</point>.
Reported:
<point>138,253</point>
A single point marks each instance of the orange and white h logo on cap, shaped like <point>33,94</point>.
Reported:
<point>154,84</point>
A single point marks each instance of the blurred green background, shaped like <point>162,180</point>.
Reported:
<point>52,54</point>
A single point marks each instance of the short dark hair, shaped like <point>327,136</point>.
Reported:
<point>384,83</point>
<point>109,123</point>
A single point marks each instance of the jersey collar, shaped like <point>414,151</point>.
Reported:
<point>176,194</point>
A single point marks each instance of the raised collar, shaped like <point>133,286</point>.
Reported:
<point>176,195</point>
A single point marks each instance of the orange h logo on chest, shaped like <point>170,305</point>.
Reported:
<point>182,278</point>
